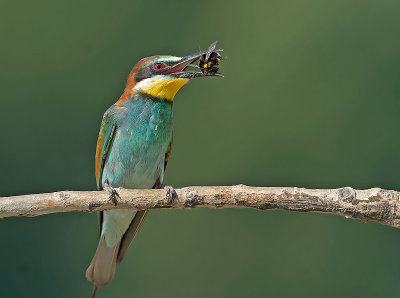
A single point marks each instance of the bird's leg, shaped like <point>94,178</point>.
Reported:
<point>170,193</point>
<point>113,194</point>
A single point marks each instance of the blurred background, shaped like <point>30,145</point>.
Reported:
<point>310,99</point>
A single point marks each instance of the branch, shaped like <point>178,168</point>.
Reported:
<point>375,204</point>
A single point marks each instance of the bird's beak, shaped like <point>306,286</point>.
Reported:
<point>178,68</point>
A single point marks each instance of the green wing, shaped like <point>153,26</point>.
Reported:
<point>106,135</point>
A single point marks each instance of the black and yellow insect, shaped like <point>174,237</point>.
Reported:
<point>210,60</point>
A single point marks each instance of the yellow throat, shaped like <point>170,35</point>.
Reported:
<point>163,87</point>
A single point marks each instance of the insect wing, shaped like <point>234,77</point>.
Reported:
<point>210,50</point>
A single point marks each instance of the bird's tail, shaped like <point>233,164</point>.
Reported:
<point>102,268</point>
<point>94,291</point>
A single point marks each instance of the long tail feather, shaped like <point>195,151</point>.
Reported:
<point>94,291</point>
<point>102,268</point>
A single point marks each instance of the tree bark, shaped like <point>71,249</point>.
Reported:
<point>376,204</point>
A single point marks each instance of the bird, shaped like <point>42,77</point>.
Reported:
<point>133,149</point>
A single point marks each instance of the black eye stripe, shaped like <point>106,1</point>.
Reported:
<point>147,71</point>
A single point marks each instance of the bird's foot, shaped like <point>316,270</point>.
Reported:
<point>170,193</point>
<point>113,194</point>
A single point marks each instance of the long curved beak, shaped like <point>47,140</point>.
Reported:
<point>178,67</point>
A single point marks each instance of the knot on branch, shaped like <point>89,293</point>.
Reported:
<point>346,194</point>
<point>192,199</point>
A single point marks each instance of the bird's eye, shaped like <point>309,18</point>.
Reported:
<point>158,66</point>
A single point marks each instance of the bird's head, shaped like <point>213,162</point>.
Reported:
<point>161,76</point>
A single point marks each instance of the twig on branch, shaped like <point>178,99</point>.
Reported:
<point>375,204</point>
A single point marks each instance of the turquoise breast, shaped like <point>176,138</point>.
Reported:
<point>137,152</point>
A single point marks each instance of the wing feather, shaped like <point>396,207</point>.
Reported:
<point>106,135</point>
<point>168,153</point>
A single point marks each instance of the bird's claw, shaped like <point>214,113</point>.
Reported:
<point>113,194</point>
<point>170,193</point>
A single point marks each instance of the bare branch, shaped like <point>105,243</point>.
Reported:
<point>375,204</point>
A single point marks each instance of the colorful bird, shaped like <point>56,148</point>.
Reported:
<point>133,148</point>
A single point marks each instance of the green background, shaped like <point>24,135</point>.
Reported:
<point>310,99</point>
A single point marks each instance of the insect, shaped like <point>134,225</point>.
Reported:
<point>210,60</point>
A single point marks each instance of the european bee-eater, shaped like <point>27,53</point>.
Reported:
<point>133,148</point>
